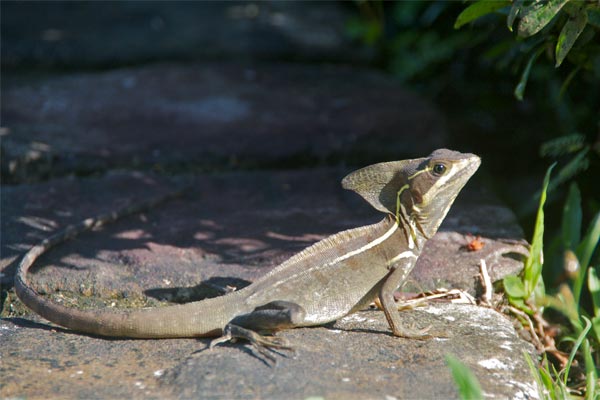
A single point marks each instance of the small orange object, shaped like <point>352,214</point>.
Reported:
<point>475,244</point>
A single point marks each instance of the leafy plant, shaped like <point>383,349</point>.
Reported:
<point>457,53</point>
<point>528,298</point>
<point>563,29</point>
<point>527,292</point>
<point>548,388</point>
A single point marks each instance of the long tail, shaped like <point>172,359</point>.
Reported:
<point>173,321</point>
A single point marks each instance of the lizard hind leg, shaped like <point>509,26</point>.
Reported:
<point>271,317</point>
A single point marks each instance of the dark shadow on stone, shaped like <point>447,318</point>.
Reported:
<point>247,348</point>
<point>26,323</point>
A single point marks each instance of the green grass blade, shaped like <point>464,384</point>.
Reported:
<point>542,378</point>
<point>466,382</point>
<point>594,288</point>
<point>520,88</point>
<point>535,372</point>
<point>589,244</point>
<point>591,374</point>
<point>584,253</point>
<point>533,263</point>
<point>580,339</point>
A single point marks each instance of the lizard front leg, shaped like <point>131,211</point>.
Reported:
<point>271,317</point>
<point>394,279</point>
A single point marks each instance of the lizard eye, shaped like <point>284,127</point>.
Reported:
<point>439,169</point>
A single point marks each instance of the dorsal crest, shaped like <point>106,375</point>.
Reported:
<point>420,191</point>
<point>379,183</point>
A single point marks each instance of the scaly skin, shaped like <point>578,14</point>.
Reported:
<point>328,280</point>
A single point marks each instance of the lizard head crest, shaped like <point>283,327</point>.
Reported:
<point>420,190</point>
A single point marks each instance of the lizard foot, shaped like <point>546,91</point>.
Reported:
<point>265,345</point>
<point>421,334</point>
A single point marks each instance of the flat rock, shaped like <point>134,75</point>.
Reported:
<point>207,116</point>
<point>228,229</point>
<point>355,358</point>
<point>90,34</point>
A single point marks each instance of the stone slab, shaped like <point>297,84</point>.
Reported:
<point>355,358</point>
<point>207,116</point>
<point>95,34</point>
<point>229,229</point>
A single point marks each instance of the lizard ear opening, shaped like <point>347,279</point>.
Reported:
<point>379,184</point>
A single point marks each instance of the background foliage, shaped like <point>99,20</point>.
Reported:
<point>524,77</point>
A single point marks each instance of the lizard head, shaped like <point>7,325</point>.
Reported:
<point>418,191</point>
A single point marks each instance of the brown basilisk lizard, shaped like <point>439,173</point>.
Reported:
<point>328,280</point>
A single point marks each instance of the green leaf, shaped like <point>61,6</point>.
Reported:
<point>580,339</point>
<point>589,244</point>
<point>513,286</point>
<point>466,382</point>
<point>536,16</point>
<point>591,374</point>
<point>571,221</point>
<point>533,263</point>
<point>542,377</point>
<point>594,287</point>
<point>520,89</point>
<point>478,9</point>
<point>539,293</point>
<point>562,145</point>
<point>565,304</point>
<point>569,34</point>
<point>514,11</point>
<point>584,253</point>
<point>519,303</point>
<point>596,327</point>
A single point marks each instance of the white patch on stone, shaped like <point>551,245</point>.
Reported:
<point>494,363</point>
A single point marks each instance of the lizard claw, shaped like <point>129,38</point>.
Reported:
<point>265,345</point>
<point>222,339</point>
<point>421,334</point>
